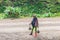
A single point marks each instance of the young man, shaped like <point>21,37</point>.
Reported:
<point>34,24</point>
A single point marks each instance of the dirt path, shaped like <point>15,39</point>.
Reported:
<point>17,29</point>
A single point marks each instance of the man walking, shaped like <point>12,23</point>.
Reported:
<point>34,24</point>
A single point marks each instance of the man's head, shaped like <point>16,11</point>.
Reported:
<point>34,15</point>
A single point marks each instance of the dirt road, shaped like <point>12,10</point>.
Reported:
<point>17,29</point>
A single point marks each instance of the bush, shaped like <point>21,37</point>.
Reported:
<point>12,12</point>
<point>2,16</point>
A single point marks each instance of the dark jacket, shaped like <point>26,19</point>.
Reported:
<point>35,22</point>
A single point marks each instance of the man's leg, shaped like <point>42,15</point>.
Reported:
<point>35,31</point>
<point>32,31</point>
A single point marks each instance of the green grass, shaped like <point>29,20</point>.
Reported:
<point>3,15</point>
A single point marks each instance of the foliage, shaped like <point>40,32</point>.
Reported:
<point>26,8</point>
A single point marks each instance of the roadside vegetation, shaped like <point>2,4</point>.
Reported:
<point>26,8</point>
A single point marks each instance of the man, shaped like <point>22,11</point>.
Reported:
<point>34,24</point>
